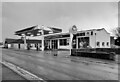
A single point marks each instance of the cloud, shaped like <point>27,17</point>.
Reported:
<point>85,15</point>
<point>0,22</point>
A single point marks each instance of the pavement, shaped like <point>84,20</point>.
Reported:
<point>61,67</point>
<point>10,75</point>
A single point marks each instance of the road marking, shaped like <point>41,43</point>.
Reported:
<point>24,73</point>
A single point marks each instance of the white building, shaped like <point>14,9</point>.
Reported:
<point>53,38</point>
<point>97,38</point>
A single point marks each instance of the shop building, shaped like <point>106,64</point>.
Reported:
<point>47,38</point>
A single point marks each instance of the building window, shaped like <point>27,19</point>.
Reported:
<point>98,43</point>
<point>103,44</point>
<point>91,33</point>
<point>107,43</point>
<point>63,42</point>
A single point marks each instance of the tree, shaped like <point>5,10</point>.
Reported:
<point>117,41</point>
<point>117,33</point>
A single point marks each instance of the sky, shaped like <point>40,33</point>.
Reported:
<point>85,15</point>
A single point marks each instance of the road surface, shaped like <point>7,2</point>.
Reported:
<point>61,67</point>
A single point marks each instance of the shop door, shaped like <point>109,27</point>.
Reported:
<point>54,44</point>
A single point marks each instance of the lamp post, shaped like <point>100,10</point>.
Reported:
<point>72,30</point>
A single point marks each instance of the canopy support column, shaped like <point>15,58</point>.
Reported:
<point>42,40</point>
<point>24,41</point>
<point>70,42</point>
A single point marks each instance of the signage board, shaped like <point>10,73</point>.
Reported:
<point>73,29</point>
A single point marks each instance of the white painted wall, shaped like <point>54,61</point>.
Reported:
<point>103,36</point>
<point>64,47</point>
<point>15,46</point>
<point>92,41</point>
<point>22,46</point>
<point>9,45</point>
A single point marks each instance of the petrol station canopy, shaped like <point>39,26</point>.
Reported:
<point>37,30</point>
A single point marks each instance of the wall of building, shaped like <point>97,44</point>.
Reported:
<point>103,36</point>
<point>22,46</point>
<point>92,40</point>
<point>15,46</point>
<point>64,47</point>
<point>9,45</point>
<point>97,36</point>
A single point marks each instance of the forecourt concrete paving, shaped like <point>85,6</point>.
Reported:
<point>61,67</point>
<point>8,74</point>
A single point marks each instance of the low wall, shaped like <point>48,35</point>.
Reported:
<point>101,53</point>
<point>108,50</point>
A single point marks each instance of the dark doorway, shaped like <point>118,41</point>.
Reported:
<point>54,44</point>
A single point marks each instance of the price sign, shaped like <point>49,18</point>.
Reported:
<point>73,29</point>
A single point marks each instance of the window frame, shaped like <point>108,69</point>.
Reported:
<point>63,42</point>
<point>107,43</point>
<point>103,43</point>
<point>98,44</point>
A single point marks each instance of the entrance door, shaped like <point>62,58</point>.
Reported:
<point>54,44</point>
<point>47,44</point>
